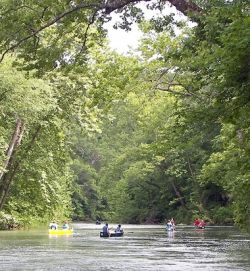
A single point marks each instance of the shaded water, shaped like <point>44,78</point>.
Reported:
<point>142,248</point>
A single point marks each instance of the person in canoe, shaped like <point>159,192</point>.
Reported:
<point>53,225</point>
<point>199,223</point>
<point>119,229</point>
<point>105,230</point>
<point>196,222</point>
<point>98,222</point>
<point>65,225</point>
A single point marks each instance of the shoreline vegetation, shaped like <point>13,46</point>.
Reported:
<point>8,222</point>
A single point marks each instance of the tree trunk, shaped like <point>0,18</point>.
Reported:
<point>178,194</point>
<point>15,141</point>
<point>10,153</point>
<point>13,169</point>
<point>7,180</point>
<point>200,205</point>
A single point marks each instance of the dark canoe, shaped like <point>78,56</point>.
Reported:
<point>112,234</point>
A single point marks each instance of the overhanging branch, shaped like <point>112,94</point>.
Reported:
<point>184,6</point>
<point>168,89</point>
<point>48,24</point>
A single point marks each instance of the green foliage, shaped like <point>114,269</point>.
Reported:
<point>222,215</point>
<point>86,193</point>
<point>44,37</point>
<point>28,99</point>
<point>127,138</point>
<point>42,189</point>
<point>220,58</point>
<point>8,222</point>
<point>185,137</point>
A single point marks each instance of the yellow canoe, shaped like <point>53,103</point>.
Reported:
<point>61,232</point>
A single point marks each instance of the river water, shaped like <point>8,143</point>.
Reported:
<point>143,247</point>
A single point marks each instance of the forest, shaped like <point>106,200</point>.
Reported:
<point>87,133</point>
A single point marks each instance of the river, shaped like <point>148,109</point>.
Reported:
<point>143,247</point>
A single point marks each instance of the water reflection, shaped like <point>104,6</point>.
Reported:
<point>142,248</point>
<point>171,235</point>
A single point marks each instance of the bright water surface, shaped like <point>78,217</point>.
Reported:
<point>142,248</point>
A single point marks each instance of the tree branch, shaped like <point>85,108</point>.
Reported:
<point>178,194</point>
<point>113,5</point>
<point>184,6</point>
<point>85,35</point>
<point>167,89</point>
<point>171,84</point>
<point>48,24</point>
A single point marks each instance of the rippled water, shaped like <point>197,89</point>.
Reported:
<point>142,248</point>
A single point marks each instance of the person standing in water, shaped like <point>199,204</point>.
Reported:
<point>173,223</point>
<point>169,226</point>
